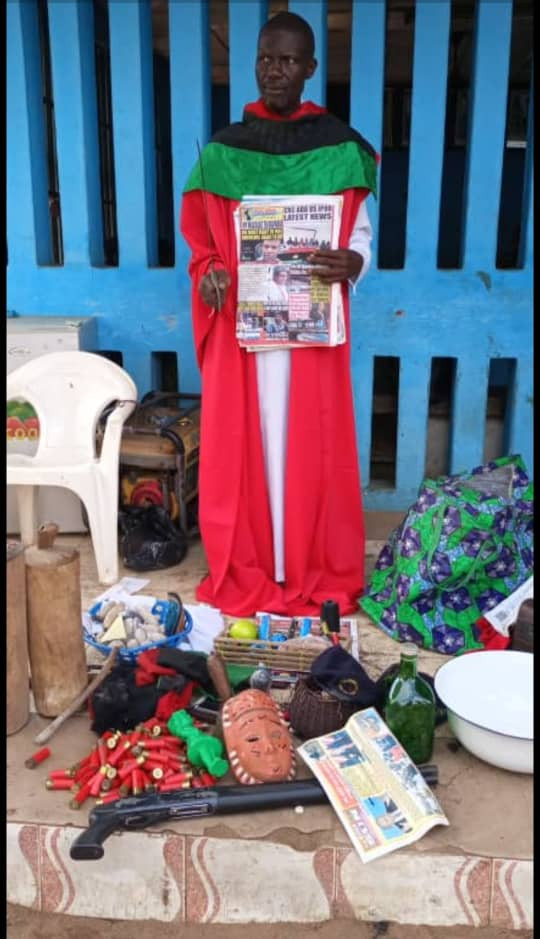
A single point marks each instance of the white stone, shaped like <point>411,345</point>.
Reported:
<point>409,888</point>
<point>131,881</point>
<point>515,881</point>
<point>259,882</point>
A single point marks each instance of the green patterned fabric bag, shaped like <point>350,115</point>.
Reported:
<point>465,545</point>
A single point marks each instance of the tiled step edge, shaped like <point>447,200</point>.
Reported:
<point>176,878</point>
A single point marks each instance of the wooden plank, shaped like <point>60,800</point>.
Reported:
<point>487,122</point>
<point>366,115</point>
<point>414,381</point>
<point>189,56</point>
<point>130,31</point>
<point>521,413</point>
<point>316,14</point>
<point>367,82</point>
<point>431,43</point>
<point>28,220</point>
<point>137,361</point>
<point>469,412</point>
<point>245,20</point>
<point>362,370</point>
<point>71,29</point>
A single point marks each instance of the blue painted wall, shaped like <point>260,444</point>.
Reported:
<point>475,313</point>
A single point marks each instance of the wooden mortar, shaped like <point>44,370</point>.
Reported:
<point>55,637</point>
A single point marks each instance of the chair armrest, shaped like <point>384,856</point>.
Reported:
<point>112,437</point>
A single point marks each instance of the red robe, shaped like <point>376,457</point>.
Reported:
<point>324,527</point>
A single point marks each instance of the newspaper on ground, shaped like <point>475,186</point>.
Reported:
<point>281,302</point>
<point>379,795</point>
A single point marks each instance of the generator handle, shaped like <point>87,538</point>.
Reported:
<point>155,397</point>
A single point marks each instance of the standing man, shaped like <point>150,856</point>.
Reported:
<point>280,506</point>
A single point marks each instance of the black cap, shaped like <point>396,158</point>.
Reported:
<point>338,673</point>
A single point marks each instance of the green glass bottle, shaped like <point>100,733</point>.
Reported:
<point>410,708</point>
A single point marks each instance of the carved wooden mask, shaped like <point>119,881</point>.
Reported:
<point>257,737</point>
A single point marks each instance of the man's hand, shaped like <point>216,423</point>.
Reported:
<point>207,288</point>
<point>335,266</point>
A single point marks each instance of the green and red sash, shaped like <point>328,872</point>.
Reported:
<point>310,152</point>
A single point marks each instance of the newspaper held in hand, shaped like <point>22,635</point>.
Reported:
<point>281,302</point>
<point>380,797</point>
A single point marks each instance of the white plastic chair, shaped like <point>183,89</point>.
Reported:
<point>69,391</point>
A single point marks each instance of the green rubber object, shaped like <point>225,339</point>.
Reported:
<point>202,749</point>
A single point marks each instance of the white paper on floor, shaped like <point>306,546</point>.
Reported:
<point>207,624</point>
<point>124,587</point>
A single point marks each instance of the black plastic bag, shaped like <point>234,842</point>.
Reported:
<point>120,703</point>
<point>150,541</point>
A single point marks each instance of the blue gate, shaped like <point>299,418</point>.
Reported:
<point>474,315</point>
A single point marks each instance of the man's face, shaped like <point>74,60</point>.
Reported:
<point>283,65</point>
<point>270,250</point>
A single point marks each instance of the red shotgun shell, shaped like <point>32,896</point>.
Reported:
<point>81,796</point>
<point>61,774</point>
<point>96,781</point>
<point>172,786</point>
<point>83,775</point>
<point>58,783</point>
<point>108,797</point>
<point>179,778</point>
<point>127,768</point>
<point>37,758</point>
<point>119,751</point>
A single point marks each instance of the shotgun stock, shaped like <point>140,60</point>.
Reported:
<point>135,812</point>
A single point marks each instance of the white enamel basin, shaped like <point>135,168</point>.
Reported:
<point>489,699</point>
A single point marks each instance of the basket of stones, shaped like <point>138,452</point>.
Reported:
<point>135,626</point>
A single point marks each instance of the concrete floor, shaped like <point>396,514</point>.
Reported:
<point>489,810</point>
<point>26,924</point>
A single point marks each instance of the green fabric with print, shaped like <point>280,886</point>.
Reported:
<point>463,547</point>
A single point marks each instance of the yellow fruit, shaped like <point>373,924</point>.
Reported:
<point>243,629</point>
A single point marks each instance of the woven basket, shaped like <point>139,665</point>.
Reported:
<point>313,712</point>
<point>171,639</point>
<point>270,653</point>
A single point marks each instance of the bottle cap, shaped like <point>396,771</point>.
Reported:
<point>409,650</point>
